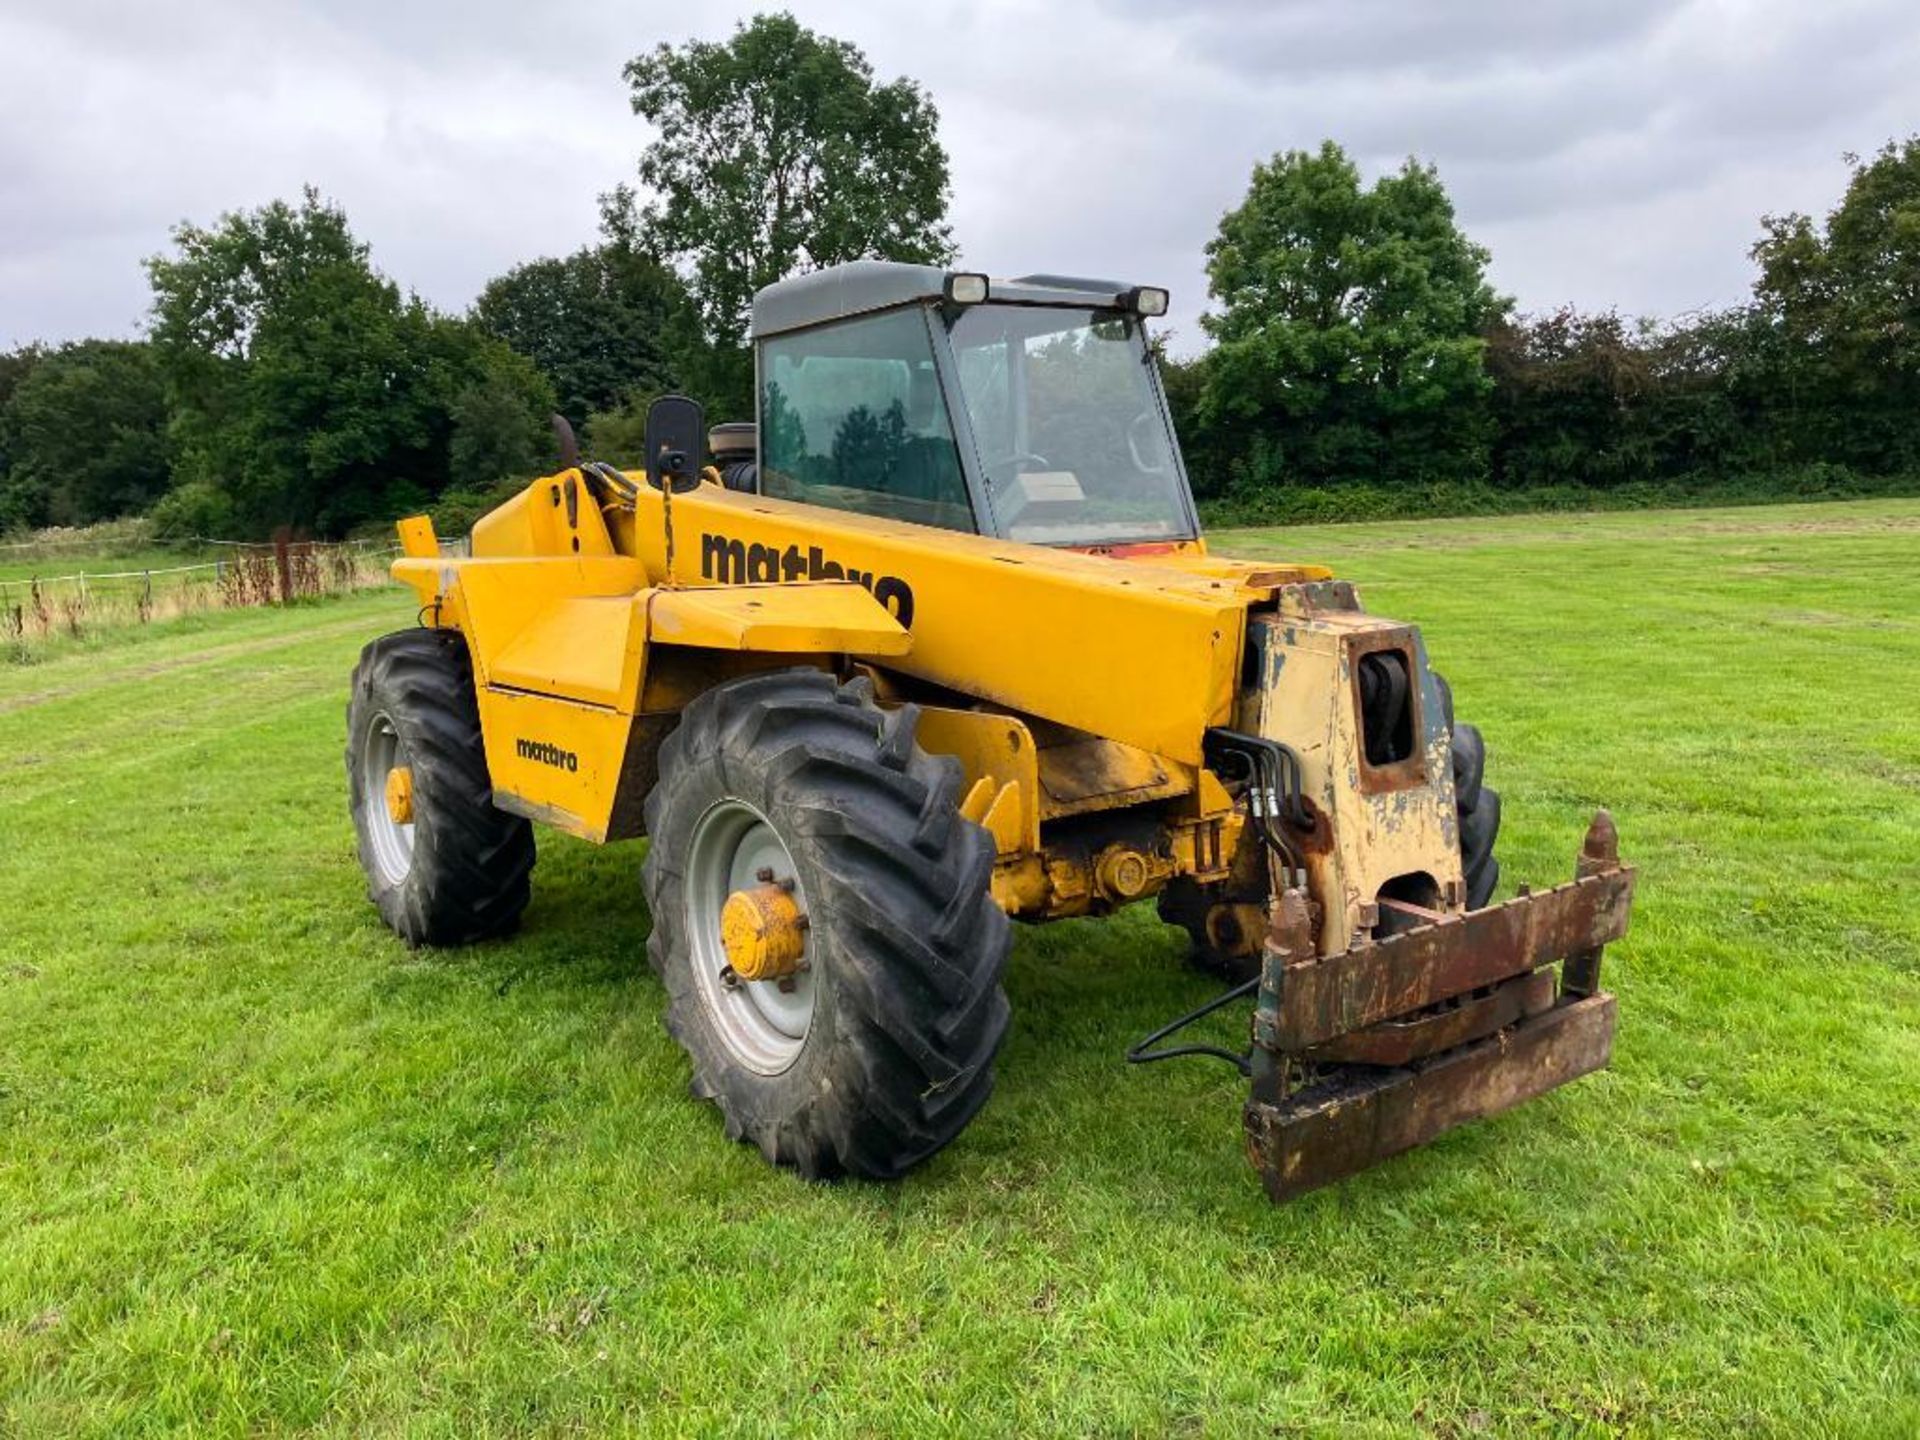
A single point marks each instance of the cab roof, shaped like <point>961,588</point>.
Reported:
<point>860,286</point>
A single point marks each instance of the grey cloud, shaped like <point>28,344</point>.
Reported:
<point>1315,39</point>
<point>1609,154</point>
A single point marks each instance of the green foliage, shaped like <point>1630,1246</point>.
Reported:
<point>1818,375</point>
<point>83,433</point>
<point>1352,502</point>
<point>1586,401</point>
<point>499,429</point>
<point>776,152</point>
<point>15,366</point>
<point>1348,337</point>
<point>606,320</point>
<point>1841,303</point>
<point>455,511</point>
<point>1360,362</point>
<point>719,375</point>
<point>198,509</point>
<point>1810,389</point>
<point>304,384</point>
<point>618,434</point>
<point>1563,385</point>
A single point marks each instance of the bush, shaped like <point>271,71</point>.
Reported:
<point>197,509</point>
<point>455,512</point>
<point>128,535</point>
<point>619,436</point>
<point>1326,505</point>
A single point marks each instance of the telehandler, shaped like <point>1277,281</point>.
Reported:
<point>934,644</point>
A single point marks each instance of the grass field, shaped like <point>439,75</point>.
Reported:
<point>261,1169</point>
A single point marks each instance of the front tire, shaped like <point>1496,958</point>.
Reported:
<point>1476,803</point>
<point>444,867</point>
<point>880,1049</point>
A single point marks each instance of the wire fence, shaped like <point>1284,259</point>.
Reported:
<point>276,573</point>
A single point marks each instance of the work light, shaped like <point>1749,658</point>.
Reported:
<point>1146,300</point>
<point>965,288</point>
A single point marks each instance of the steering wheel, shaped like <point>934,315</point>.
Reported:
<point>1017,460</point>
<point>1140,430</point>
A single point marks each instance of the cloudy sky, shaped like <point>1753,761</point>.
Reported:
<point>1609,154</point>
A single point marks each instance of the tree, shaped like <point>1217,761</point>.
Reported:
<point>497,428</point>
<point>1568,390</point>
<point>605,321</point>
<point>776,152</point>
<point>1711,382</point>
<point>17,509</point>
<point>305,386</point>
<point>84,432</point>
<point>1348,339</point>
<point>1843,303</point>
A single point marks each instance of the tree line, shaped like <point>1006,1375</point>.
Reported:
<point>1358,361</point>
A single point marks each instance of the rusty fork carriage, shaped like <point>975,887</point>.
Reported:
<point>1360,1055</point>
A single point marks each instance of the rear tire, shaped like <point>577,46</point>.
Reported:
<point>889,1052</point>
<point>459,871</point>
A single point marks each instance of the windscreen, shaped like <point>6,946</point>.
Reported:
<point>1068,425</point>
<point>851,417</point>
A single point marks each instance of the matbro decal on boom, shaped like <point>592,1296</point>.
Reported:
<point>727,561</point>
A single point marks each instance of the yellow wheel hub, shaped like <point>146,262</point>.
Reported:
<point>400,795</point>
<point>763,932</point>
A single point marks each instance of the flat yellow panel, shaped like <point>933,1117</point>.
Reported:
<point>583,649</point>
<point>1142,649</point>
<point>812,619</point>
<point>556,761</point>
<point>557,515</point>
<point>417,538</point>
<point>494,600</point>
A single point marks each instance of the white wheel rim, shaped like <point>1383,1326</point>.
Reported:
<point>390,841</point>
<point>764,1025</point>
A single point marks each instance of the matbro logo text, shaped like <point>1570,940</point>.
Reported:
<point>736,562</point>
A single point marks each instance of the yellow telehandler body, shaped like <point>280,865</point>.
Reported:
<point>938,645</point>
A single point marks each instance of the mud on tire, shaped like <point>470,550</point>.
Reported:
<point>905,943</point>
<point>460,872</point>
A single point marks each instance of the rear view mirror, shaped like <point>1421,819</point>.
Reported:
<point>676,433</point>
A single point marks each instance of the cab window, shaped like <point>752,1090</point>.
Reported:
<point>851,417</point>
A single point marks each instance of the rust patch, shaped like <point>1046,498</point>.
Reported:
<point>1324,997</point>
<point>1398,1042</point>
<point>1332,1130</point>
<point>1081,773</point>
